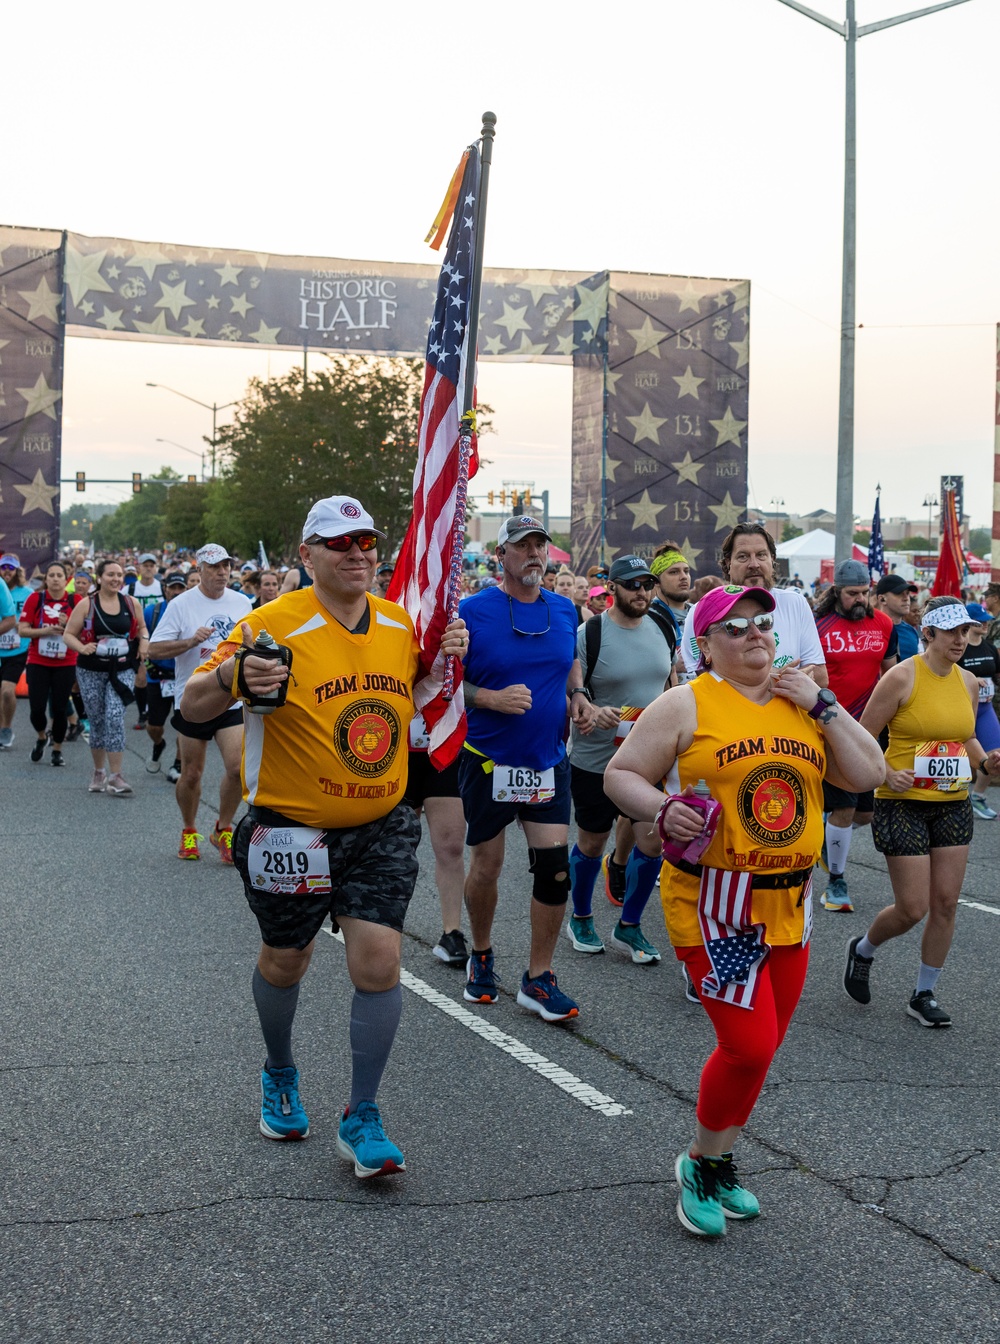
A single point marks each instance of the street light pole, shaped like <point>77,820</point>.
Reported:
<point>850,32</point>
<point>208,406</point>
<point>192,451</point>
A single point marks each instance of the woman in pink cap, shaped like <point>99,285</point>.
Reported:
<point>737,900</point>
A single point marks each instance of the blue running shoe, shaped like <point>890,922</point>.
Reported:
<point>482,985</point>
<point>698,1206</point>
<point>835,897</point>
<point>282,1115</point>
<point>544,997</point>
<point>361,1139</point>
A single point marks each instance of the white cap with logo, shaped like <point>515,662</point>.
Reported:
<point>212,554</point>
<point>513,529</point>
<point>338,516</point>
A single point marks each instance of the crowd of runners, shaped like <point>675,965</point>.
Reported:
<point>720,739</point>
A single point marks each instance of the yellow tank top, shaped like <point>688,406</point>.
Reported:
<point>933,723</point>
<point>764,764</point>
<point>335,754</point>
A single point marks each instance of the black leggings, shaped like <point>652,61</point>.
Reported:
<point>45,683</point>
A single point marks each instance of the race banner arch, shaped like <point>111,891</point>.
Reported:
<point>660,385</point>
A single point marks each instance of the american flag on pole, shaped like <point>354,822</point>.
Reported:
<point>734,944</point>
<point>428,570</point>
<point>876,550</point>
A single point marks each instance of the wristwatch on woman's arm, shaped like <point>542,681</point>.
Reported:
<point>825,707</point>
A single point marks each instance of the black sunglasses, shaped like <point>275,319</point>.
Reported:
<point>633,585</point>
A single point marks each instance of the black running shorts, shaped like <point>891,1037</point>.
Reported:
<point>593,810</point>
<point>205,732</point>
<point>423,781</point>
<point>373,867</point>
<point>903,828</point>
<point>834,798</point>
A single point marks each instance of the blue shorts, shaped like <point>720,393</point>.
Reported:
<point>485,818</point>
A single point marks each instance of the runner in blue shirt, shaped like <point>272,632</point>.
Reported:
<point>13,649</point>
<point>522,674</point>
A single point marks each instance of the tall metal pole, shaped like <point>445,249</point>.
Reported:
<point>844,527</point>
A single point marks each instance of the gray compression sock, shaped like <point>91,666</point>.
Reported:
<point>276,1010</point>
<point>374,1019</point>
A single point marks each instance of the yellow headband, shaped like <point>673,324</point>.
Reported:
<point>663,562</point>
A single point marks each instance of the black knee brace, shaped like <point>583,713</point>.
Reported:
<point>548,889</point>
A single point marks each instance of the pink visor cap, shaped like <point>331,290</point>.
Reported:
<point>719,602</point>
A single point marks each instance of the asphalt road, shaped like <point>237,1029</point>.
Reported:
<point>140,1203</point>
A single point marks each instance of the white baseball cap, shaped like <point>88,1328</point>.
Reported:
<point>338,516</point>
<point>212,554</point>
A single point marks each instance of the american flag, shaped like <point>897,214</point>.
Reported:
<point>876,550</point>
<point>427,564</point>
<point>735,946</point>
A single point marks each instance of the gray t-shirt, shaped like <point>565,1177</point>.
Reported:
<point>632,669</point>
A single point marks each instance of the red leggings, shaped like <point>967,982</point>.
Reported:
<point>748,1038</point>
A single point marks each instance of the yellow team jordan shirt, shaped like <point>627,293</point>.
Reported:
<point>764,764</point>
<point>335,754</point>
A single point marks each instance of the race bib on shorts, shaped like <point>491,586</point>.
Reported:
<point>9,641</point>
<point>629,715</point>
<point>168,689</point>
<point>942,766</point>
<point>290,860</point>
<point>986,689</point>
<point>110,647</point>
<point>521,784</point>
<point>420,738</point>
<point>50,646</point>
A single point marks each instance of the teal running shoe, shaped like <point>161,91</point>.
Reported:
<point>582,934</point>
<point>736,1200</point>
<point>282,1115</point>
<point>835,897</point>
<point>630,938</point>
<point>698,1205</point>
<point>361,1139</point>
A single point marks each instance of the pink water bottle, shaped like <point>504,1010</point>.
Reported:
<point>690,851</point>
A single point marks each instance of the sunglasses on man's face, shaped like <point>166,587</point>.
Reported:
<point>367,541</point>
<point>633,585</point>
<point>736,627</point>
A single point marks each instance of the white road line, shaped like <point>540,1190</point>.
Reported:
<point>977,905</point>
<point>510,1045</point>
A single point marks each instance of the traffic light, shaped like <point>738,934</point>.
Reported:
<point>515,502</point>
<point>81,482</point>
<point>526,500</point>
<point>503,498</point>
<point>136,482</point>
<point>192,480</point>
<point>489,496</point>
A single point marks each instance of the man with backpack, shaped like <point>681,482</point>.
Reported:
<point>626,656</point>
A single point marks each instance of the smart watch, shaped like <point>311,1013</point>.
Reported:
<point>823,709</point>
<point>580,690</point>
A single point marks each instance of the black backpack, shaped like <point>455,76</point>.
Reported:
<point>592,635</point>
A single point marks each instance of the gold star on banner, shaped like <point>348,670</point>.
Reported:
<point>83,273</point>
<point>689,298</point>
<point>611,379</point>
<point>113,272</point>
<point>741,296</point>
<point>728,428</point>
<point>689,552</point>
<point>611,465</point>
<point>494,344</point>
<point>646,338</point>
<point>37,496</point>
<point>645,513</point>
<point>565,345</point>
<point>195,326</point>
<point>688,469</point>
<point>2,344</point>
<point>112,320</point>
<point>240,305</point>
<point>742,349</point>
<point>41,398</point>
<point>174,297</point>
<point>647,425</point>
<point>591,305</point>
<point>727,514</point>
<point>228,274</point>
<point>528,348</point>
<point>513,320</point>
<point>688,385</point>
<point>722,298</point>
<point>213,301</point>
<point>158,326</point>
<point>148,259</point>
<point>87,308</point>
<point>265,335</point>
<point>42,302</point>
<point>589,510</point>
<point>540,287</point>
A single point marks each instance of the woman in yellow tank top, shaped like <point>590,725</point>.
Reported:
<point>923,817</point>
<point>738,915</point>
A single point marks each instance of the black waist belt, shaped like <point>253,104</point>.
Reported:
<point>770,881</point>
<point>265,817</point>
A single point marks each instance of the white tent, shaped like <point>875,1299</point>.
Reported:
<point>806,553</point>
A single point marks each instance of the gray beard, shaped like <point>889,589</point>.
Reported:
<point>532,579</point>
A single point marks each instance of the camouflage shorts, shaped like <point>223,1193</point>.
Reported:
<point>373,867</point>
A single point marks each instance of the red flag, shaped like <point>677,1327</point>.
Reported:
<point>951,564</point>
<point>429,566</point>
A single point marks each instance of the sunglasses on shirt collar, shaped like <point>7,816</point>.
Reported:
<point>367,541</point>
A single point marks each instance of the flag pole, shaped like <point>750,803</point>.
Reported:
<point>468,423</point>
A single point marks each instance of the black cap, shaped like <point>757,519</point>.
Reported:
<point>629,567</point>
<point>386,568</point>
<point>893,583</point>
<point>175,580</point>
